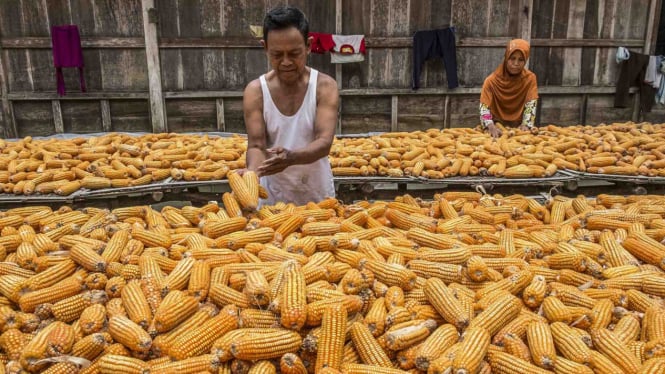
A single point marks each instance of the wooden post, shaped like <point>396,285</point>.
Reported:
<point>653,15</point>
<point>393,113</point>
<point>8,124</point>
<point>526,16</point>
<point>157,112</point>
<point>446,113</point>
<point>57,117</point>
<point>106,115</point>
<point>221,123</point>
<point>338,67</point>
<point>583,107</point>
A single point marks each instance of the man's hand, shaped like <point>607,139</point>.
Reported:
<point>280,160</point>
<point>493,130</point>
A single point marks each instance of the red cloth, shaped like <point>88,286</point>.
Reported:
<point>321,42</point>
<point>67,53</point>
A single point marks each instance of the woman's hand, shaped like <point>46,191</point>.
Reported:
<point>493,130</point>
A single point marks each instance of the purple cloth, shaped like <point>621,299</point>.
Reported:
<point>67,53</point>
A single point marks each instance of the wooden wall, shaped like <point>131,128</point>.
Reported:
<point>203,55</point>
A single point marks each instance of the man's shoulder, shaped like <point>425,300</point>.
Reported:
<point>324,81</point>
<point>253,86</point>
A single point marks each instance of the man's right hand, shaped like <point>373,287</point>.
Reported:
<point>493,130</point>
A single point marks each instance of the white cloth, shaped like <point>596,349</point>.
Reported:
<point>348,48</point>
<point>298,184</point>
<point>622,54</point>
<point>652,72</point>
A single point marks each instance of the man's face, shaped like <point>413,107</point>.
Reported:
<point>287,53</point>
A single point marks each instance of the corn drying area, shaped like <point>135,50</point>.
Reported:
<point>135,240</point>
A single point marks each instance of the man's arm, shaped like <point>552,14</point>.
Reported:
<point>327,105</point>
<point>252,105</point>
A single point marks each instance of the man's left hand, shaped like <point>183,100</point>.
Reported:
<point>280,160</point>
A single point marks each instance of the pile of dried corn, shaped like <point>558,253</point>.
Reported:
<point>628,149</point>
<point>468,283</point>
<point>60,166</point>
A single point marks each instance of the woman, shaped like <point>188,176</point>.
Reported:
<point>510,93</point>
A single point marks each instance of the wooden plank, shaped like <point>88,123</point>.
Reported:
<point>92,70</point>
<point>393,113</point>
<point>105,109</point>
<point>573,56</point>
<point>157,112</point>
<point>233,116</point>
<point>10,19</point>
<point>338,30</point>
<point>15,68</point>
<point>591,30</point>
<point>649,40</point>
<point>83,117</point>
<point>472,63</point>
<point>221,124</point>
<point>191,115</point>
<point>130,115</point>
<point>43,72</point>
<point>525,21</point>
<point>364,114</point>
<point>420,14</point>
<point>442,12</point>
<point>420,113</point>
<point>119,18</point>
<point>8,129</point>
<point>211,14</point>
<point>33,118</point>
<point>125,69</point>
<point>583,109</point>
<point>356,21</point>
<point>252,43</point>
<point>464,111</point>
<point>34,19</point>
<point>368,92</point>
<point>465,16</point>
<point>541,29</point>
<point>82,14</point>
<point>58,12</point>
<point>57,117</point>
<point>640,17</point>
<point>213,68</point>
<point>561,110</point>
<point>100,95</point>
<point>189,20</point>
<point>446,113</point>
<point>547,90</point>
<point>600,109</point>
<point>86,42</point>
<point>559,30</point>
<point>606,66</point>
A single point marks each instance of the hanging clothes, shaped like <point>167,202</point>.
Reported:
<point>348,48</point>
<point>435,44</point>
<point>321,42</point>
<point>632,73</point>
<point>67,53</point>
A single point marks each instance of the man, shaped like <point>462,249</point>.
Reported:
<point>290,115</point>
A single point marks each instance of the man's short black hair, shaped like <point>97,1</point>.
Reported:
<point>283,17</point>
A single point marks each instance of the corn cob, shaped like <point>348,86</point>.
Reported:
<point>263,344</point>
<point>367,347</point>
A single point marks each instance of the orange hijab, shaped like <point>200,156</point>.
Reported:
<point>506,95</point>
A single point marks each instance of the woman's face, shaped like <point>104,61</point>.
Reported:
<point>515,63</point>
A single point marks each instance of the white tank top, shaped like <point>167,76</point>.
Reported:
<point>298,184</point>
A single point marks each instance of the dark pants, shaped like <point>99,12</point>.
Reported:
<point>431,44</point>
<point>632,74</point>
